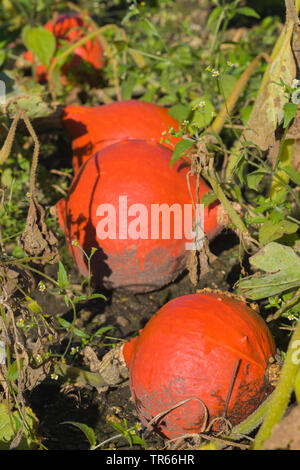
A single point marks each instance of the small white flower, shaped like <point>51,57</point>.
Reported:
<point>38,358</point>
<point>54,376</point>
<point>41,286</point>
<point>215,73</point>
<point>295,83</point>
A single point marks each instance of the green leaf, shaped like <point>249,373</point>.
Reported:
<point>179,112</point>
<point>214,16</point>
<point>87,431</point>
<point>68,326</point>
<point>127,85</point>
<point>281,263</point>
<point>269,231</point>
<point>293,174</point>
<point>41,43</point>
<point>62,277</point>
<point>166,83</point>
<point>97,296</point>
<point>245,114</point>
<point>64,323</point>
<point>10,423</point>
<point>13,371</point>
<point>247,11</point>
<point>253,179</point>
<point>118,427</point>
<point>202,117</point>
<point>208,198</point>
<point>33,306</point>
<point>103,330</point>
<point>180,149</point>
<point>290,110</point>
<point>137,440</point>
<point>227,83</point>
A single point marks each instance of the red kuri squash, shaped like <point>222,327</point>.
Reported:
<point>93,128</point>
<point>70,28</point>
<point>110,206</point>
<point>188,352</point>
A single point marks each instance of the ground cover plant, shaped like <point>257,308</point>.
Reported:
<point>182,102</point>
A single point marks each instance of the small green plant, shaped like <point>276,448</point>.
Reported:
<point>129,433</point>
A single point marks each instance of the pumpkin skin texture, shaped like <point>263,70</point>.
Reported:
<point>140,171</point>
<point>189,349</point>
<point>71,27</point>
<point>94,128</point>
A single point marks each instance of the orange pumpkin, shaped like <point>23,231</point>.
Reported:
<point>94,128</point>
<point>189,351</point>
<point>129,256</point>
<point>70,28</point>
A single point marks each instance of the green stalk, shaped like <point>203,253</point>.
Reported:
<point>236,219</point>
<point>282,393</point>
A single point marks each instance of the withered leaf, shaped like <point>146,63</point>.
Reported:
<point>37,239</point>
<point>267,113</point>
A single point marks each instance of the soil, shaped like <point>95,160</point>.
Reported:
<point>55,402</point>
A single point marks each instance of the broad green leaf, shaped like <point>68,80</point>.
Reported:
<point>87,431</point>
<point>245,114</point>
<point>281,263</point>
<point>227,83</point>
<point>62,277</point>
<point>253,179</point>
<point>10,423</point>
<point>269,231</point>
<point>13,370</point>
<point>179,112</point>
<point>41,43</point>
<point>290,110</point>
<point>292,173</point>
<point>247,11</point>
<point>202,117</point>
<point>180,149</point>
